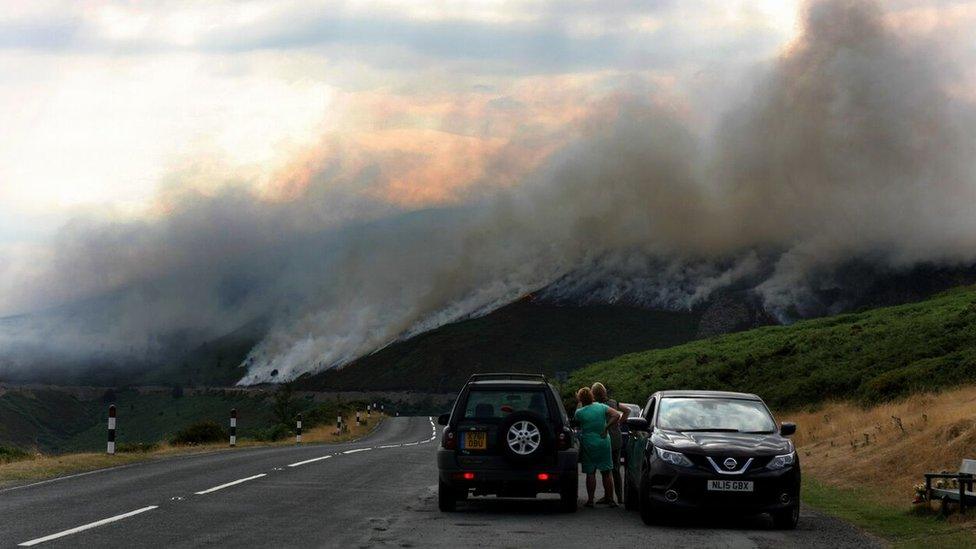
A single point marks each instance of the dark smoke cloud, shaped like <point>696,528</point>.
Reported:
<point>848,149</point>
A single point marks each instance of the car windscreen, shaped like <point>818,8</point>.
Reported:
<point>498,403</point>
<point>714,414</point>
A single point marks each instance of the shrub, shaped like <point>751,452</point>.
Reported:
<point>9,454</point>
<point>274,433</point>
<point>200,433</point>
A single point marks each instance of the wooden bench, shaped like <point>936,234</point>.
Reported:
<point>964,495</point>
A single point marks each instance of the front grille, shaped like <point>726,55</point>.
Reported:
<point>756,464</point>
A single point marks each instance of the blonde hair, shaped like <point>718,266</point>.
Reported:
<point>599,392</point>
<point>584,396</point>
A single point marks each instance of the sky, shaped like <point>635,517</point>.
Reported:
<point>205,163</point>
<point>109,107</point>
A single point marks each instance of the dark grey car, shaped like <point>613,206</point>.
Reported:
<point>507,435</point>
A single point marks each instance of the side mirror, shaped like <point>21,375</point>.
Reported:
<point>787,429</point>
<point>443,419</point>
<point>638,424</point>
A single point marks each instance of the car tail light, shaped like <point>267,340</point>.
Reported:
<point>449,441</point>
<point>543,476</point>
<point>468,476</point>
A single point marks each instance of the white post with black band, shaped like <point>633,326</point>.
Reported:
<point>233,427</point>
<point>110,449</point>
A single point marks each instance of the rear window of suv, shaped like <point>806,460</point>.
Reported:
<point>498,403</point>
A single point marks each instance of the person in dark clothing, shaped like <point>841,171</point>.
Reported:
<point>616,439</point>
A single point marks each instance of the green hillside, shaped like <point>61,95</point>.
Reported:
<point>51,420</point>
<point>869,356</point>
<point>521,337</point>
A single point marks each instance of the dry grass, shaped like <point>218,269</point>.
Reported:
<point>327,433</point>
<point>42,467</point>
<point>886,449</point>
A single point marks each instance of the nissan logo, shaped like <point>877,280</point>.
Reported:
<point>730,463</point>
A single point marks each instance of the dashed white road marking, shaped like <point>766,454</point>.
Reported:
<point>222,486</point>
<point>389,446</point>
<point>411,443</point>
<point>357,450</point>
<point>88,526</point>
<point>313,460</point>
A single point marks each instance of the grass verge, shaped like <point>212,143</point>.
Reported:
<point>900,526</point>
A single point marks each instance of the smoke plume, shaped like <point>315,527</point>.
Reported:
<point>849,147</point>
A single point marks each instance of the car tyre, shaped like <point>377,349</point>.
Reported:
<point>538,425</point>
<point>631,502</point>
<point>787,518</point>
<point>446,497</point>
<point>569,495</point>
<point>650,511</point>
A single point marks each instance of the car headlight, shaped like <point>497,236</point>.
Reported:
<point>674,458</point>
<point>783,461</point>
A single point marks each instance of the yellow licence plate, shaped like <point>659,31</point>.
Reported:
<point>475,440</point>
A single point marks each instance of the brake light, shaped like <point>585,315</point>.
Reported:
<point>449,441</point>
<point>468,476</point>
<point>543,476</point>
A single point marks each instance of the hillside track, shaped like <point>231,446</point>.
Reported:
<point>380,491</point>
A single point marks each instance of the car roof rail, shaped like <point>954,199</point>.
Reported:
<point>513,376</point>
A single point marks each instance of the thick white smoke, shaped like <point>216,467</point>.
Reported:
<point>849,148</point>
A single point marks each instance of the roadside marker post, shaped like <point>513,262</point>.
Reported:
<point>339,424</point>
<point>357,418</point>
<point>110,448</point>
<point>233,427</point>
<point>298,430</point>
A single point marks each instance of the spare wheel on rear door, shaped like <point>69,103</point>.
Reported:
<point>525,437</point>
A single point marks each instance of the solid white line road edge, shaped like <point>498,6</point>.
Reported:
<point>357,450</point>
<point>309,461</point>
<point>222,486</point>
<point>88,526</point>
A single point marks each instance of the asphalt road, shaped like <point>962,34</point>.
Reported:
<point>377,492</point>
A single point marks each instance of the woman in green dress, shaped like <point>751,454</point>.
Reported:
<point>594,420</point>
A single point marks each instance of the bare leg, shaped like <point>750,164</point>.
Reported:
<point>617,485</point>
<point>590,487</point>
<point>607,485</point>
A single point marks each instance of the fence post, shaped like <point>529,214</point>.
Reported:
<point>962,496</point>
<point>298,429</point>
<point>233,427</point>
<point>110,448</point>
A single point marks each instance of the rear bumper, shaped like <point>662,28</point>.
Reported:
<point>497,475</point>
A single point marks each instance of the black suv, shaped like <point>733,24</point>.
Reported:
<point>694,450</point>
<point>507,435</point>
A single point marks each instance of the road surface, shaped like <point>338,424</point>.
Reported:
<point>380,491</point>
